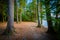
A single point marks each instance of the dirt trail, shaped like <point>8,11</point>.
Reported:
<point>26,31</point>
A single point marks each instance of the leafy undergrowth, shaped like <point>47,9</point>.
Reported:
<point>25,31</point>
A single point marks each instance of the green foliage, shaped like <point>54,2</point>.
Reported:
<point>25,17</point>
<point>3,10</point>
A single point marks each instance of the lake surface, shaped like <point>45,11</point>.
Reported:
<point>44,23</point>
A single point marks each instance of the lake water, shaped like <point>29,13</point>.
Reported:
<point>44,23</point>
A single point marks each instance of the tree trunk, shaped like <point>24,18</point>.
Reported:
<point>17,10</point>
<point>21,15</point>
<point>48,16</point>
<point>3,18</point>
<point>10,23</point>
<point>57,23</point>
<point>38,14</point>
<point>41,10</point>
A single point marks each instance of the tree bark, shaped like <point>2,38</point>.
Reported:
<point>10,23</point>
<point>17,10</point>
<point>41,10</point>
<point>57,23</point>
<point>38,15</point>
<point>21,15</point>
<point>48,16</point>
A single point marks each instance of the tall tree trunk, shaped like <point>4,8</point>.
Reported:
<point>48,16</point>
<point>57,23</point>
<point>10,23</point>
<point>3,18</point>
<point>38,15</point>
<point>17,10</point>
<point>21,15</point>
<point>41,10</point>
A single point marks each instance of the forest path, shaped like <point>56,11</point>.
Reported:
<point>27,31</point>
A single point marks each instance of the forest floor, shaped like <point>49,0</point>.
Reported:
<point>25,31</point>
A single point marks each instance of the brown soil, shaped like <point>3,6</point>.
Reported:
<point>25,31</point>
